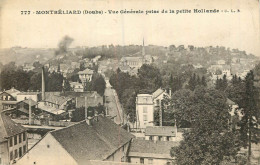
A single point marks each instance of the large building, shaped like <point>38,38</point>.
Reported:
<point>146,105</point>
<point>13,140</point>
<point>144,110</point>
<point>98,138</point>
<point>9,98</point>
<point>133,63</point>
<point>85,75</point>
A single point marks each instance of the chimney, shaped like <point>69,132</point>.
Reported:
<point>30,111</point>
<point>87,118</point>
<point>43,84</point>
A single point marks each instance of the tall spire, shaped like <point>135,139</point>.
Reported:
<point>143,50</point>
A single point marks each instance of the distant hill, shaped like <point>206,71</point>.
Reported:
<point>25,55</point>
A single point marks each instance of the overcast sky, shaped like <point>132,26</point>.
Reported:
<point>234,30</point>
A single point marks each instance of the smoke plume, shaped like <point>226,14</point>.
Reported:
<point>64,44</point>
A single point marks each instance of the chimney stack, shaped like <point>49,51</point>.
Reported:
<point>43,84</point>
<point>30,111</point>
<point>87,117</point>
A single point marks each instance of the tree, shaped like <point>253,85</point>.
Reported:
<point>250,110</point>
<point>98,84</point>
<point>203,81</point>
<point>149,78</point>
<point>54,81</point>
<point>209,141</point>
<point>66,85</point>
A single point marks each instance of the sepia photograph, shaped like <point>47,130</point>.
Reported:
<point>130,82</point>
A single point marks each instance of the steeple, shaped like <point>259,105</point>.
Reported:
<point>143,50</point>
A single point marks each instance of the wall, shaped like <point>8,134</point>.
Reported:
<point>4,153</point>
<point>120,154</point>
<point>150,115</point>
<point>22,144</point>
<point>146,161</point>
<point>34,97</point>
<point>47,151</point>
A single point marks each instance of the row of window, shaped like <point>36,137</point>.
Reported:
<point>14,155</point>
<point>6,98</point>
<point>21,137</point>
<point>160,138</point>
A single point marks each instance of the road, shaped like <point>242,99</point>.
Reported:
<point>114,108</point>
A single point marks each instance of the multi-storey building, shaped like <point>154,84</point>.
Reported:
<point>13,140</point>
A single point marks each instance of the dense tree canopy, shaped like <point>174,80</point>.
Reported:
<point>209,141</point>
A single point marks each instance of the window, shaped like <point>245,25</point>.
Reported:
<point>24,137</point>
<point>24,149</point>
<point>168,138</point>
<point>20,138</point>
<point>145,100</point>
<point>150,161</point>
<point>15,139</point>
<point>144,109</point>
<point>142,160</point>
<point>20,152</point>
<point>11,155</point>
<point>160,138</point>
<point>15,154</point>
<point>11,141</point>
<point>145,117</point>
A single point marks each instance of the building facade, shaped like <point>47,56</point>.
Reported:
<point>13,140</point>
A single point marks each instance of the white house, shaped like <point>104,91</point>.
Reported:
<point>85,75</point>
<point>144,110</point>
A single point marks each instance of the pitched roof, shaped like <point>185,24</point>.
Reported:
<point>54,97</point>
<point>160,131</point>
<point>33,103</point>
<point>8,127</point>
<point>96,142</point>
<point>157,92</point>
<point>230,102</point>
<point>12,92</point>
<point>73,94</point>
<point>154,149</point>
<point>91,101</point>
<point>29,93</point>
<point>51,110</point>
<point>86,71</point>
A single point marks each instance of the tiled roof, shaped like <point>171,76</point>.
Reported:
<point>157,93</point>
<point>91,101</point>
<point>86,71</point>
<point>96,142</point>
<point>54,97</point>
<point>12,92</point>
<point>8,127</point>
<point>51,110</point>
<point>33,103</point>
<point>160,131</point>
<point>80,94</point>
<point>152,149</point>
<point>28,93</point>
